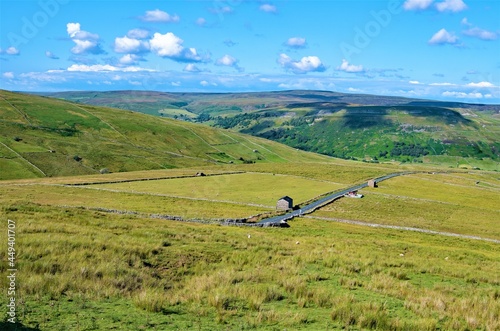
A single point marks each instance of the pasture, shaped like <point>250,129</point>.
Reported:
<point>82,267</point>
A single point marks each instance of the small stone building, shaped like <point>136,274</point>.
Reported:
<point>285,203</point>
<point>372,183</point>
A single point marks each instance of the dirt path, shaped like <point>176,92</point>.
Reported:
<point>404,228</point>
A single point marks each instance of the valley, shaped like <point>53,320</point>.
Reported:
<point>151,243</point>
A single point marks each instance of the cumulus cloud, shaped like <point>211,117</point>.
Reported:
<point>481,84</point>
<point>305,65</point>
<point>443,37</point>
<point>417,4</point>
<point>8,75</point>
<point>11,51</point>
<point>86,42</point>
<point>268,8</point>
<point>104,68</point>
<point>130,45</point>
<point>129,59</point>
<point>159,16</point>
<point>296,42</point>
<point>465,95</point>
<point>138,34</point>
<point>191,67</point>
<point>451,5</point>
<point>474,31</point>
<point>169,45</point>
<point>205,83</point>
<point>51,55</point>
<point>345,66</point>
<point>228,61</point>
<point>414,82</point>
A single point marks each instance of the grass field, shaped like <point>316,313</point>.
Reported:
<point>90,269</point>
<point>254,188</point>
<point>439,202</point>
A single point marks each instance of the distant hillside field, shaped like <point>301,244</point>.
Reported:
<point>349,126</point>
<point>42,136</point>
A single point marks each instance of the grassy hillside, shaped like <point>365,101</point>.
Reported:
<point>350,126</point>
<point>97,257</point>
<point>42,136</point>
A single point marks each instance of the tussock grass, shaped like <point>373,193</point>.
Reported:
<point>188,276</point>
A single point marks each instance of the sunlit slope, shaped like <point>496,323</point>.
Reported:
<point>48,137</point>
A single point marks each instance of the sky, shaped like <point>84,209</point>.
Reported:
<point>429,49</point>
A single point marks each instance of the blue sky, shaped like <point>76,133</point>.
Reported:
<point>434,49</point>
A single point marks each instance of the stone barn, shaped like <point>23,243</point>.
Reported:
<point>372,183</point>
<point>285,203</point>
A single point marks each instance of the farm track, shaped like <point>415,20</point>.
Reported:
<point>404,228</point>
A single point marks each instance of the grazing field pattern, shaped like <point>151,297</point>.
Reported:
<point>96,253</point>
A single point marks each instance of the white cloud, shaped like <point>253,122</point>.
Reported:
<point>191,67</point>
<point>443,37</point>
<point>305,65</point>
<point>268,8</point>
<point>130,45</point>
<point>481,84</point>
<point>72,29</point>
<point>205,83</point>
<point>451,5</point>
<point>464,95</point>
<point>417,4</point>
<point>166,44</point>
<point>8,75</point>
<point>480,33</point>
<point>51,55</point>
<point>442,84</point>
<point>138,34</point>
<point>296,42</point>
<point>414,82</point>
<point>464,21</point>
<point>129,59</point>
<point>226,60</point>
<point>86,42</point>
<point>345,66</point>
<point>104,68</point>
<point>159,16</point>
<point>169,45</point>
<point>12,51</point>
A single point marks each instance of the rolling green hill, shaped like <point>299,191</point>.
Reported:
<point>42,136</point>
<point>349,126</point>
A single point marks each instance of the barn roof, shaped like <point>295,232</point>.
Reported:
<point>286,197</point>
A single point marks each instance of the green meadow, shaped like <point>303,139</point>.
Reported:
<point>84,265</point>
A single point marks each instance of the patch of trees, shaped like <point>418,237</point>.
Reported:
<point>402,149</point>
<point>204,117</point>
<point>243,120</point>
